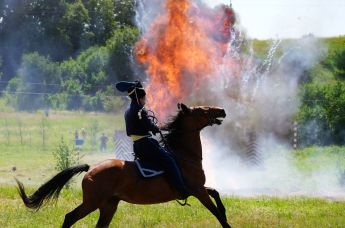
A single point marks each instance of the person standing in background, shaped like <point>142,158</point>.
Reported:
<point>104,139</point>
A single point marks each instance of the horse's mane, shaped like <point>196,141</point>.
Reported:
<point>170,130</point>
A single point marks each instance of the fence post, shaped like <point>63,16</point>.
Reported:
<point>123,146</point>
<point>20,126</point>
<point>295,135</point>
<point>43,126</point>
<point>8,134</point>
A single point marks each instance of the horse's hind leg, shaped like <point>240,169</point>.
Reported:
<point>107,211</point>
<point>78,213</point>
<point>215,195</point>
<point>205,199</point>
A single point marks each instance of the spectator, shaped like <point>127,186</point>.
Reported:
<point>76,135</point>
<point>104,139</point>
<point>78,142</point>
<point>83,134</point>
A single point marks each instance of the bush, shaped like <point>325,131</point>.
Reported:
<point>94,103</point>
<point>37,77</point>
<point>65,157</point>
<point>113,104</point>
<point>94,129</point>
<point>322,115</point>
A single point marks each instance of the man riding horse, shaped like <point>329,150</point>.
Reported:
<point>107,183</point>
<point>146,148</point>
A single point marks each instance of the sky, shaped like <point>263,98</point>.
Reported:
<point>265,19</point>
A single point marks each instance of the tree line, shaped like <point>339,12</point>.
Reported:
<point>65,54</point>
<point>322,111</point>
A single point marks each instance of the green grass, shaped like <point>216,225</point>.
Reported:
<point>35,164</point>
<point>241,212</point>
<point>335,43</point>
<point>26,129</point>
<point>34,159</point>
<point>261,47</point>
<point>312,158</point>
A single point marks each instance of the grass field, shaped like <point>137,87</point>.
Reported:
<point>22,145</point>
<point>241,212</point>
<point>35,163</point>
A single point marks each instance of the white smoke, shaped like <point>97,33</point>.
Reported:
<point>147,12</point>
<point>265,104</point>
<point>260,98</point>
<point>277,175</point>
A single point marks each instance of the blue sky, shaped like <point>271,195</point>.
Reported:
<point>289,19</point>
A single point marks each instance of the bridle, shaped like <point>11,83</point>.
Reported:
<point>210,122</point>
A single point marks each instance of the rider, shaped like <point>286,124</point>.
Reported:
<point>139,126</point>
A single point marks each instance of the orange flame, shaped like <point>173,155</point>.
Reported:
<point>181,49</point>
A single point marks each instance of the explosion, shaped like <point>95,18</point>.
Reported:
<point>182,48</point>
<point>193,53</point>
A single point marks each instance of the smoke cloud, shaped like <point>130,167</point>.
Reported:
<point>253,147</point>
<point>251,153</point>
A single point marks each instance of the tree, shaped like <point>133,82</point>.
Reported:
<point>17,30</point>
<point>95,63</point>
<point>38,76</point>
<point>102,19</point>
<point>339,62</point>
<point>120,46</point>
<point>322,115</point>
<point>74,21</point>
<point>52,36</point>
<point>125,12</point>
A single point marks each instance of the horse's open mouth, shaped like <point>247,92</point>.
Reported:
<point>219,117</point>
<point>218,121</point>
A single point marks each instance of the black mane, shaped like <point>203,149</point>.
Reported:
<point>170,130</point>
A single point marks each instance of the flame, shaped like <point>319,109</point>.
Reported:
<point>181,49</point>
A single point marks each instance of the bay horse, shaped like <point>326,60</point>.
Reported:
<point>107,183</point>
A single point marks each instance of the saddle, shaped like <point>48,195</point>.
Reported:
<point>147,169</point>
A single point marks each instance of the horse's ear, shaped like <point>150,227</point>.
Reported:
<point>178,106</point>
<point>184,108</point>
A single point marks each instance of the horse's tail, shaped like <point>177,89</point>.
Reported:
<point>50,189</point>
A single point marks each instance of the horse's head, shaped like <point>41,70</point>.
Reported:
<point>196,118</point>
<point>190,120</point>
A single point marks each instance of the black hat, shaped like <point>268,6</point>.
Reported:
<point>134,89</point>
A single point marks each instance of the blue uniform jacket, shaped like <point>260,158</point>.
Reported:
<point>137,121</point>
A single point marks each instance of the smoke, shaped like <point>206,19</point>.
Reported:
<point>147,11</point>
<point>250,154</point>
<point>277,175</point>
<point>265,101</point>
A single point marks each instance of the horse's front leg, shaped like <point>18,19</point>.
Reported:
<point>203,196</point>
<point>215,195</point>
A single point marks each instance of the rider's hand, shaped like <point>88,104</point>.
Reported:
<point>156,130</point>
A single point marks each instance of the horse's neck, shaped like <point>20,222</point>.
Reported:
<point>190,158</point>
<point>190,146</point>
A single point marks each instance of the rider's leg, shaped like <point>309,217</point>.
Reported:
<point>148,149</point>
<point>170,166</point>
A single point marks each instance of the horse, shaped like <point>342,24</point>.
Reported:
<point>107,183</point>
